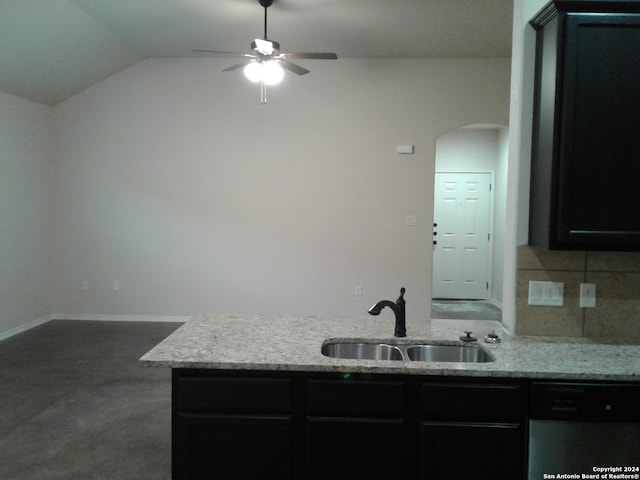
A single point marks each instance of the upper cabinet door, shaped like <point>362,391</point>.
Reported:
<point>585,178</point>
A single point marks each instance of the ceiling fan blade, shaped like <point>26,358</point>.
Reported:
<point>218,52</point>
<point>292,67</point>
<point>237,66</point>
<point>313,56</point>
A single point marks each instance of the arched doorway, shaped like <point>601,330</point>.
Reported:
<point>469,205</point>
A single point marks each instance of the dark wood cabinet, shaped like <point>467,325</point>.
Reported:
<point>231,427</point>
<point>348,448</point>
<point>225,447</point>
<point>296,425</point>
<point>473,451</point>
<point>472,430</point>
<point>586,139</point>
<point>356,428</point>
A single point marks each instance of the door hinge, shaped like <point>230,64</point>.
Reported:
<point>490,187</point>
<point>487,285</point>
<point>489,236</point>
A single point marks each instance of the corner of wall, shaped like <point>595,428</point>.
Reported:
<point>25,136</point>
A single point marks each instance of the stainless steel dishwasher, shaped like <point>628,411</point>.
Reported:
<point>576,429</point>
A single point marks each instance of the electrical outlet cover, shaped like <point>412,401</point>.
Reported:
<point>587,295</point>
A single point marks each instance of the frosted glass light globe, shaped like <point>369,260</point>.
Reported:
<point>272,72</point>
<point>254,71</point>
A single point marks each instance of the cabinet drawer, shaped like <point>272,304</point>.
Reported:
<point>232,395</point>
<point>232,447</point>
<point>356,448</point>
<point>479,451</point>
<point>476,402</point>
<point>355,398</point>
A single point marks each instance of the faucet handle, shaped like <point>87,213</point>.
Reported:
<point>400,300</point>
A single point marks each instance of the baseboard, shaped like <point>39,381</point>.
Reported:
<point>26,326</point>
<point>90,317</point>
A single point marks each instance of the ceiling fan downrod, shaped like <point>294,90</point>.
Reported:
<point>266,4</point>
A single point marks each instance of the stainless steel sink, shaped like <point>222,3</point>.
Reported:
<point>448,353</point>
<point>362,351</point>
<point>414,352</point>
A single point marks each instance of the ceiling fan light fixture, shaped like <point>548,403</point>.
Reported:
<point>273,72</point>
<point>253,71</point>
<point>269,72</point>
<point>265,47</point>
<point>266,63</point>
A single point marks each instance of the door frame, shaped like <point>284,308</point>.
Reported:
<point>491,174</point>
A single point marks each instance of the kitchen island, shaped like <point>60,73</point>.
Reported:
<point>254,397</point>
<point>289,343</point>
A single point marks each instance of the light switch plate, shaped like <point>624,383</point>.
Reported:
<point>550,294</point>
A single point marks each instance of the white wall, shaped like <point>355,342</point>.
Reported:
<point>520,125</point>
<point>171,179</point>
<point>468,149</point>
<point>500,214</point>
<point>24,213</point>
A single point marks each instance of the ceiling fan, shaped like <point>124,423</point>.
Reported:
<point>266,63</point>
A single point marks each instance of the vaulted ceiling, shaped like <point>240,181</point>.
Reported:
<point>52,49</point>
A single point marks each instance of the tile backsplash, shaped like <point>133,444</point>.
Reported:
<point>617,279</point>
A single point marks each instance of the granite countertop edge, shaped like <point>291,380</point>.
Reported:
<point>292,344</point>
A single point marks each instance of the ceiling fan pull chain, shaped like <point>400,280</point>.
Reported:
<point>263,92</point>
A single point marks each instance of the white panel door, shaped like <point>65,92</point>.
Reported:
<point>462,203</point>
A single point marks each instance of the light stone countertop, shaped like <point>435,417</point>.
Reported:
<point>290,343</point>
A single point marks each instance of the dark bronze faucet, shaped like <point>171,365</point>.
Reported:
<point>398,309</point>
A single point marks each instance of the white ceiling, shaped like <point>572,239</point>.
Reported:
<point>52,49</point>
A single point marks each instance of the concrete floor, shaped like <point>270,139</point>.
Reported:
<point>74,404</point>
<point>465,310</point>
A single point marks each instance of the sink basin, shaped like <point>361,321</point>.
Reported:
<point>362,351</point>
<point>418,352</point>
<point>448,353</point>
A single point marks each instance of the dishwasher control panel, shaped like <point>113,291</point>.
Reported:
<point>585,401</point>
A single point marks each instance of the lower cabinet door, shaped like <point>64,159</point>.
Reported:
<point>231,447</point>
<point>473,451</point>
<point>355,448</point>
